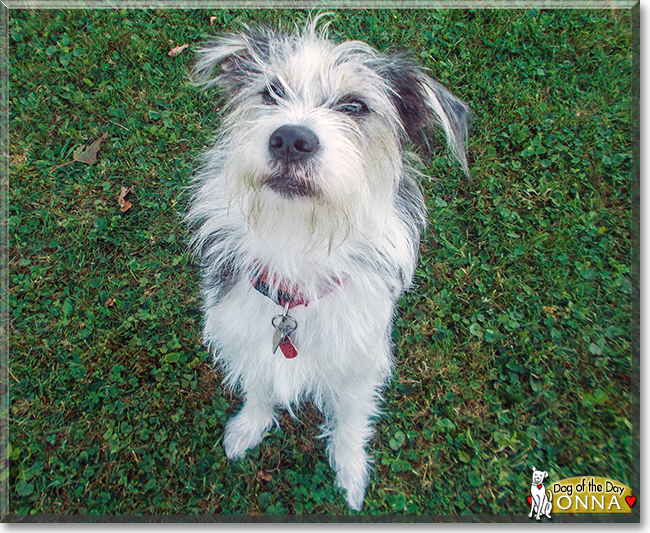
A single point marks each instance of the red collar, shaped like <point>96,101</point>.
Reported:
<point>286,292</point>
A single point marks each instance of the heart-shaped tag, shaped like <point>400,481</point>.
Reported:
<point>631,500</point>
<point>530,500</point>
<point>539,486</point>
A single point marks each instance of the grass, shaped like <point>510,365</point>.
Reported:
<point>513,349</point>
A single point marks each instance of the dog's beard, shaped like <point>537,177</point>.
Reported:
<point>280,206</point>
<point>293,182</point>
<point>310,201</point>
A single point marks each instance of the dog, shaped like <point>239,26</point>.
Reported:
<point>541,502</point>
<point>306,217</point>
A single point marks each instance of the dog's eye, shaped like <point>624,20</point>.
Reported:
<point>352,106</point>
<point>272,93</point>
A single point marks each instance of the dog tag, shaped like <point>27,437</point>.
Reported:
<point>288,349</point>
<point>284,326</point>
<point>277,339</point>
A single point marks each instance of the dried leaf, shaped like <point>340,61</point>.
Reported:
<point>125,205</point>
<point>110,302</point>
<point>89,155</point>
<point>212,19</point>
<point>264,476</point>
<point>177,50</point>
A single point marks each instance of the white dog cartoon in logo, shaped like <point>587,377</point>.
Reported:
<point>540,502</point>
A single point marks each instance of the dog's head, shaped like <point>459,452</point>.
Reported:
<point>320,126</point>
<point>539,476</point>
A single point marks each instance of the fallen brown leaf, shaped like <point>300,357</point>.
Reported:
<point>212,19</point>
<point>125,205</point>
<point>177,50</point>
<point>89,155</point>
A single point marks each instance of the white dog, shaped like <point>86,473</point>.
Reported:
<point>541,503</point>
<point>306,217</point>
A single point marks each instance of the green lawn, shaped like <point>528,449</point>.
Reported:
<point>513,348</point>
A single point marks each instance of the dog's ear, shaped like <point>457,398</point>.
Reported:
<point>422,102</point>
<point>545,474</point>
<point>239,57</point>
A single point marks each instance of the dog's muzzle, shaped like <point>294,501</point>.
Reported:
<point>292,146</point>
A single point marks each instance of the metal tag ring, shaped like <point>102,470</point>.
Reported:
<point>277,326</point>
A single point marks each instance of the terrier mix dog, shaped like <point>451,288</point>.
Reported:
<point>306,217</point>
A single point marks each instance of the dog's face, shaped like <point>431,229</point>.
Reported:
<point>539,476</point>
<point>316,129</point>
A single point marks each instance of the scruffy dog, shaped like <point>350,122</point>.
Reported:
<point>306,217</point>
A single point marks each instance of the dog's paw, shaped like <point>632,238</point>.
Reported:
<point>244,432</point>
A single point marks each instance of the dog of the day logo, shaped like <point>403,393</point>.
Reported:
<point>578,495</point>
<point>540,499</point>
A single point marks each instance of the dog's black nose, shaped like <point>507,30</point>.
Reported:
<point>292,143</point>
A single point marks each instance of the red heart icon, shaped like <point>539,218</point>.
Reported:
<point>530,500</point>
<point>539,486</point>
<point>631,500</point>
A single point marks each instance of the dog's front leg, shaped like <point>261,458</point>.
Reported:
<point>349,428</point>
<point>246,430</point>
<point>539,508</point>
